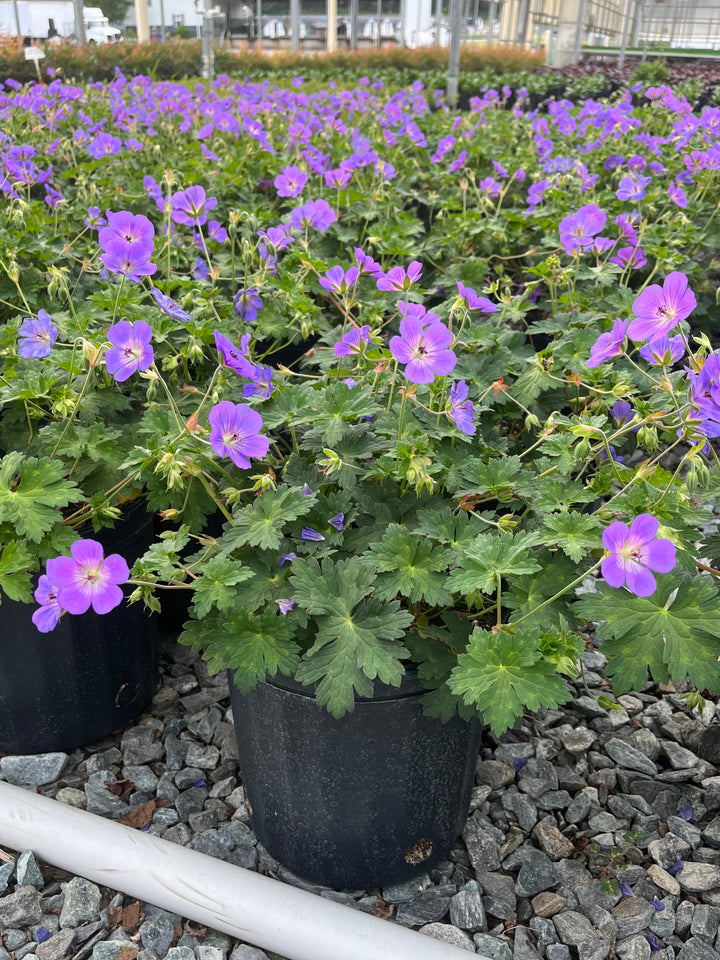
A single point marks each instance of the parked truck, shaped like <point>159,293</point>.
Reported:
<point>44,19</point>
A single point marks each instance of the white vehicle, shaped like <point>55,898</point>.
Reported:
<point>44,19</point>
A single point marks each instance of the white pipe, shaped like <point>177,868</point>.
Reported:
<point>264,912</point>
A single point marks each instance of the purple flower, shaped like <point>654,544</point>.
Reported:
<point>424,350</point>
<point>307,533</point>
<point>608,345</point>
<point>536,192</point>
<point>462,410</point>
<point>200,783</point>
<point>216,231</point>
<point>262,383</point>
<point>622,412</point>
<point>634,553</point>
<point>248,304</point>
<point>686,813</point>
<point>307,490</point>
<point>314,213</point>
<point>129,259</point>
<point>676,867</point>
<point>130,351</point>
<point>42,935</point>
<point>459,162</point>
<point>632,257</point>
<point>290,182</point>
<point>190,207</point>
<point>338,178</point>
<point>519,763</point>
<point>398,280</point>
<point>663,351</point>
<point>474,302</point>
<point>234,357</point>
<point>278,237</point>
<point>444,146</point>
<point>367,264</point>
<point>652,940</point>
<point>285,606</point>
<point>490,187</point>
<point>632,188</point>
<point>339,280</point>
<point>657,904</point>
<point>626,889</point>
<point>168,306</point>
<point>88,578</point>
<point>104,145</point>
<point>37,336</point>
<point>131,227</point>
<point>626,229</point>
<point>287,558</point>
<point>579,229</point>
<point>235,433</point>
<point>678,195</point>
<point>201,271</point>
<point>48,613</point>
<point>338,521</point>
<point>659,309</point>
<point>354,341</point>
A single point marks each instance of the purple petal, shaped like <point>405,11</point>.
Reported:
<point>307,533</point>
<point>639,580</point>
<point>686,813</point>
<point>626,889</point>
<point>643,528</point>
<point>519,763</point>
<point>660,555</point>
<point>615,537</point>
<point>287,558</point>
<point>676,867</point>
<point>613,571</point>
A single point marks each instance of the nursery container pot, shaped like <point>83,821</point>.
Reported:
<point>90,675</point>
<point>373,798</point>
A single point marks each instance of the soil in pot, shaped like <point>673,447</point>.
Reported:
<point>374,798</point>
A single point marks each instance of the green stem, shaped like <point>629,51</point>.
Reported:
<point>576,582</point>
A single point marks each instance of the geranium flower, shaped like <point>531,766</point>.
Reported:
<point>634,553</point>
<point>37,336</point>
<point>664,351</point>
<point>129,259</point>
<point>474,302</point>
<point>104,145</point>
<point>338,521</point>
<point>130,227</point>
<point>290,182</point>
<point>314,213</point>
<point>216,231</point>
<point>48,613</point>
<point>339,280</point>
<point>307,533</point>
<point>632,188</point>
<point>678,195</point>
<point>398,279</point>
<point>462,410</point>
<point>235,433</point>
<point>659,309</point>
<point>285,606</point>
<point>168,306</point>
<point>579,229</point>
<point>338,178</point>
<point>262,383</point>
<point>608,345</point>
<point>424,350</point>
<point>354,341</point>
<point>248,304</point>
<point>190,207</point>
<point>234,357</point>
<point>633,257</point>
<point>88,579</point>
<point>130,351</point>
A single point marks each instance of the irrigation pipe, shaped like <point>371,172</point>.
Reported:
<point>256,909</point>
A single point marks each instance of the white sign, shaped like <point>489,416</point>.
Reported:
<point>33,53</point>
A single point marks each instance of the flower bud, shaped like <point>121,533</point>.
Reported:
<point>648,438</point>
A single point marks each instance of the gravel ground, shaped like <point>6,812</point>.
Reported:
<point>592,834</point>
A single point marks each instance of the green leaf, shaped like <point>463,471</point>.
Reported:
<point>575,533</point>
<point>15,561</point>
<point>411,567</point>
<point>216,586</point>
<point>333,588</point>
<point>335,409</point>
<point>457,530</point>
<point>31,492</point>
<point>261,523</point>
<point>253,646</point>
<point>491,556</point>
<point>672,634</point>
<point>504,675</point>
<point>435,650</point>
<point>556,571</point>
<point>495,478</point>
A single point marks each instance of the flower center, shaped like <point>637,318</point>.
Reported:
<point>232,438</point>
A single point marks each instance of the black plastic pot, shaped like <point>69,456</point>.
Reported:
<point>86,678</point>
<point>374,798</point>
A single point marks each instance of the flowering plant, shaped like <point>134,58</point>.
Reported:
<point>420,456</point>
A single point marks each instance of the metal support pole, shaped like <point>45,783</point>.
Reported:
<point>403,13</point>
<point>379,20</point>
<point>625,31</point>
<point>294,25</point>
<point>647,31</point>
<point>141,19</point>
<point>579,31</point>
<point>453,79</point>
<point>491,22</point>
<point>17,20</point>
<point>258,25</point>
<point>80,19</point>
<point>354,24</point>
<point>331,26</point>
<point>208,53</point>
<point>438,20</point>
<point>162,21</point>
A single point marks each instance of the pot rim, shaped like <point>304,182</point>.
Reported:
<point>410,686</point>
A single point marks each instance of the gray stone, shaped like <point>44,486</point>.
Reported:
<point>646,742</point>
<point>579,740</point>
<point>491,947</point>
<point>699,877</point>
<point>705,922</point>
<point>603,822</point>
<point>557,951</point>
<point>143,777</point>
<point>632,915</point>
<point>203,756</point>
<point>499,898</point>
<point>696,949</point>
<point>208,953</point>
<point>27,872</point>
<point>661,878</point>
<point>158,932</point>
<point>634,948</point>
<point>663,923</point>
<point>589,707</point>
<point>14,939</point>
<point>81,903</point>
<point>214,938</point>
<point>523,811</point>
<point>188,777</point>
<point>666,851</point>
<point>139,745</point>
<point>547,904</point>
<point>6,871</point>
<point>115,950</point>
<point>545,932</point>
<point>449,934</point>
<point>483,848</point>
<point>685,830</point>
<point>190,801</point>
<point>430,907</point>
<point>245,952</point>
<point>57,946</point>
<point>581,805</point>
<point>711,832</point>
<point>98,799</point>
<point>629,757</point>
<point>574,928</point>
<point>21,909</point>
<point>709,744</point>
<point>680,758</point>
<point>554,800</point>
<point>467,910</point>
<point>494,773</point>
<point>537,873</point>
<point>552,842</point>
<point>407,891</point>
<point>72,797</point>
<point>33,771</point>
<point>683,917</point>
<point>523,947</point>
<point>180,953</point>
